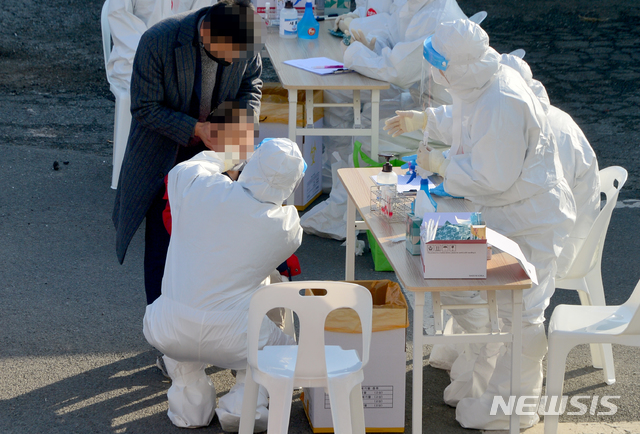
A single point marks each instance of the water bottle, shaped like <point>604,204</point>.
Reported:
<point>308,27</point>
<point>289,21</point>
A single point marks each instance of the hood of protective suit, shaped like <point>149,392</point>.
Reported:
<point>523,68</point>
<point>273,172</point>
<point>472,63</point>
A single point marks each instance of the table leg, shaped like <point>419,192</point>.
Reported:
<point>416,411</point>
<point>357,120</point>
<point>516,355</point>
<point>375,122</point>
<point>350,264</point>
<point>309,107</point>
<point>293,107</point>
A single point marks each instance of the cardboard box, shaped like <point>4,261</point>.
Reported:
<point>274,118</point>
<point>383,388</point>
<point>453,259</point>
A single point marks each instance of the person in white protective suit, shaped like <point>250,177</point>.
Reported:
<point>128,20</point>
<point>579,164</point>
<point>580,168</point>
<point>395,56</point>
<point>227,237</point>
<point>503,159</point>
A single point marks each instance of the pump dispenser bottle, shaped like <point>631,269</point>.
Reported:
<point>308,27</point>
<point>289,21</point>
<point>388,182</point>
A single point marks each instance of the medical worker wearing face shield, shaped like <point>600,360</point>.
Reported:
<point>503,159</point>
<point>227,237</point>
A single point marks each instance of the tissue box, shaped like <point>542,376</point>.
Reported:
<point>453,259</point>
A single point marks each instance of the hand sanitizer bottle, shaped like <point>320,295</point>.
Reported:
<point>388,182</point>
<point>289,21</point>
<point>308,27</point>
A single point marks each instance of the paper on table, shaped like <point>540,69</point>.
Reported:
<point>310,65</point>
<point>511,247</point>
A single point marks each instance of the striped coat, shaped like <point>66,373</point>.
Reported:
<point>161,89</point>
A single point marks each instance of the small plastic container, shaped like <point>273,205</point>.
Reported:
<point>308,27</point>
<point>289,21</point>
<point>267,14</point>
<point>388,182</point>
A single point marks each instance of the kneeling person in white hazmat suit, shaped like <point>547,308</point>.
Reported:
<point>227,237</point>
<point>504,160</point>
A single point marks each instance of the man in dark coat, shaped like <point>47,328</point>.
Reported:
<point>185,66</point>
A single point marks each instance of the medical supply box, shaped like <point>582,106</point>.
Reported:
<point>274,118</point>
<point>452,259</point>
<point>383,388</point>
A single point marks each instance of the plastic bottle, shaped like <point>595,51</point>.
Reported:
<point>289,21</point>
<point>267,14</point>
<point>388,182</point>
<point>308,27</point>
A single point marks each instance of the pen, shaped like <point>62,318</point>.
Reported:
<point>328,67</point>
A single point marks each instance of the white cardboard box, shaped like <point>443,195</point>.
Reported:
<point>453,259</point>
<point>383,388</point>
<point>274,118</point>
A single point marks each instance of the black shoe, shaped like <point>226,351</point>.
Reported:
<point>160,365</point>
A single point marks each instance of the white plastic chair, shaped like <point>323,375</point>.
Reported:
<point>310,363</point>
<point>572,325</point>
<point>122,121</point>
<point>585,275</point>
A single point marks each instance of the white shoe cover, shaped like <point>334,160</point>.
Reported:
<point>230,407</point>
<point>475,412</point>
<point>192,395</point>
<point>471,371</point>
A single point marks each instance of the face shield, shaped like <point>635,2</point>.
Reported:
<point>433,63</point>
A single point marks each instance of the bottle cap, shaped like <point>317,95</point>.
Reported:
<point>288,4</point>
<point>387,166</point>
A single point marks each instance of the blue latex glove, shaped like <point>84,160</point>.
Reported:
<point>439,191</point>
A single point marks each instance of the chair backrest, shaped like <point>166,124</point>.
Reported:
<point>633,303</point>
<point>106,33</point>
<point>590,255</point>
<point>312,312</point>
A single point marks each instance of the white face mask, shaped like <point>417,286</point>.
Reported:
<point>439,78</point>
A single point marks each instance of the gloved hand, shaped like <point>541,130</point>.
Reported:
<point>343,21</point>
<point>358,36</point>
<point>405,122</point>
<point>430,159</point>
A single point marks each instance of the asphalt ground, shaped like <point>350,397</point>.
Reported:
<point>72,354</point>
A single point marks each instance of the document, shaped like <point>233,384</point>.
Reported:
<point>319,65</point>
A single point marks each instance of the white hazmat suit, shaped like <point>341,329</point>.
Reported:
<point>128,20</point>
<point>227,237</point>
<point>504,160</point>
<point>579,164</point>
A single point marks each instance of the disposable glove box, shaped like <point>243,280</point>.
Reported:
<point>452,259</point>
